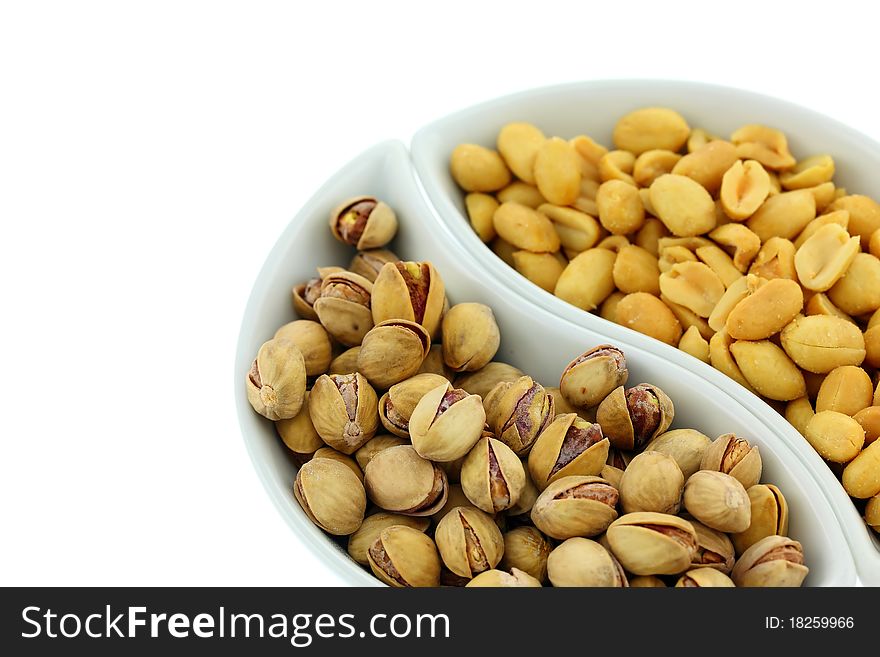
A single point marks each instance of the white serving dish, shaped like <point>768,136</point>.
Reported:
<point>533,339</point>
<point>592,108</point>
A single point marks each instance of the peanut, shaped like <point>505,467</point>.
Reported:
<point>744,188</point>
<point>858,292</point>
<point>861,478</point>
<point>525,228</point>
<point>587,280</point>
<point>651,128</point>
<point>636,270</point>
<point>766,311</point>
<point>707,165</point>
<point>820,343</point>
<point>620,209</point>
<point>478,169</point>
<point>480,210</point>
<point>825,257</point>
<point>783,215</point>
<point>769,370</point>
<point>766,145</point>
<point>808,173</point>
<point>557,172</point>
<point>838,438</point>
<point>519,144</point>
<point>683,205</point>
<point>846,389</point>
<point>646,314</point>
<point>692,285</point>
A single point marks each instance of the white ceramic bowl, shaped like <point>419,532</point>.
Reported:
<point>592,108</point>
<point>533,339</point>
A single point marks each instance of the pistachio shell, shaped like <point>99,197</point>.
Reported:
<point>736,457</point>
<point>298,432</point>
<point>772,561</point>
<point>527,497</point>
<point>769,516</point>
<point>652,482</point>
<point>718,500</point>
<point>347,461</point>
<point>487,377</point>
<point>646,582</point>
<point>469,541</point>
<point>332,497</point>
<point>433,364</point>
<point>368,263</point>
<point>455,498</point>
<point>714,548</point>
<point>526,549</point>
<point>446,423</point>
<point>575,506</point>
<point>492,476</point>
<point>276,382</point>
<point>363,222</point>
<point>582,562</point>
<point>590,377</point>
<point>313,341</point>
<point>344,410</point>
<point>704,577</point>
<point>522,413</point>
<point>630,418</point>
<point>498,578</point>
<point>393,351</point>
<point>346,362</point>
<point>397,405</point>
<point>359,542</point>
<point>470,337</point>
<point>398,479</point>
<point>649,543</point>
<point>567,446</point>
<point>686,446</point>
<point>402,557</point>
<point>412,291</point>
<point>344,307</point>
<point>375,445</point>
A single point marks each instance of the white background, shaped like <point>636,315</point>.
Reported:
<point>150,154</point>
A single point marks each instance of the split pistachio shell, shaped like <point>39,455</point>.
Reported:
<point>344,307</point>
<point>392,351</point>
<point>646,582</point>
<point>298,432</point>
<point>492,476</point>
<point>527,497</point>
<point>630,418</point>
<point>686,446</point>
<point>652,482</point>
<point>455,498</point>
<point>346,362</point>
<point>344,459</point>
<point>612,475</point>
<point>649,543</point>
<point>363,222</point>
<point>526,549</point>
<point>469,541</point>
<point>736,457</point>
<point>404,557</point>
<point>521,414</point>
<point>360,541</point>
<point>718,501</point>
<point>373,446</point>
<point>714,548</point>
<point>575,506</point>
<point>704,577</point>
<point>433,364</point>
<point>773,561</point>
<point>397,405</point>
<point>276,382</point>
<point>498,578</point>
<point>313,341</point>
<point>591,377</point>
<point>343,408</point>
<point>470,337</point>
<point>483,380</point>
<point>582,562</point>
<point>368,263</point>
<point>446,423</point>
<point>568,445</point>
<point>305,294</point>
<point>412,291</point>
<point>769,516</point>
<point>331,495</point>
<point>397,479</point>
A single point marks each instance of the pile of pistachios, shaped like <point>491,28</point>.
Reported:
<point>444,467</point>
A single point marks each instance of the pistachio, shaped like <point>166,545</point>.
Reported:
<point>397,405</point>
<point>612,475</point>
<point>469,541</point>
<point>498,578</point>
<point>492,476</point>
<point>590,377</point>
<point>704,577</point>
<point>359,543</point>
<point>344,459</point>
<point>714,548</point>
<point>404,557</point>
<point>646,582</point>
<point>373,446</point>
<point>344,307</point>
<point>363,222</point>
<point>412,291</point>
<point>526,549</point>
<point>455,498</point>
<point>332,497</point>
<point>686,446</point>
<point>521,414</point>
<point>769,516</point>
<point>527,497</point>
<point>575,506</point>
<point>470,337</point>
<point>298,432</point>
<point>369,263</point>
<point>736,457</point>
<point>633,417</point>
<point>276,382</point>
<point>397,479</point>
<point>652,482</point>
<point>718,501</point>
<point>345,362</point>
<point>569,445</point>
<point>483,380</point>
<point>344,410</point>
<point>305,294</point>
<point>392,351</point>
<point>772,561</point>
<point>313,341</point>
<point>446,423</point>
<point>648,543</point>
<point>433,364</point>
<point>582,562</point>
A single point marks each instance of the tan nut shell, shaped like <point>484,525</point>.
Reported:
<point>398,479</point>
<point>331,418</point>
<point>344,459</point>
<point>346,362</point>
<point>404,396</point>
<point>718,501</point>
<point>282,375</point>
<point>714,548</point>
<point>776,572</point>
<point>527,497</point>
<point>469,541</point>
<point>380,228</point>
<point>769,516</point>
<point>433,363</point>
<point>298,432</point>
<point>391,296</point>
<point>373,446</point>
<point>470,336</point>
<point>582,562</point>
<point>498,578</point>
<point>347,321</point>
<point>645,551</point>
<point>540,413</point>
<point>492,476</point>
<point>368,263</point>
<point>360,541</point>
<point>451,435</point>
<point>526,549</point>
<point>412,554</point>
<point>652,482</point>
<point>487,377</point>
<point>392,351</point>
<point>313,341</point>
<point>331,495</point>
<point>614,417</point>
<point>566,517</point>
<point>704,577</point>
<point>546,451</point>
<point>736,457</point>
<point>686,446</point>
<point>586,383</point>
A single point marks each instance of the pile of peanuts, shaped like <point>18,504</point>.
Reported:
<point>732,250</point>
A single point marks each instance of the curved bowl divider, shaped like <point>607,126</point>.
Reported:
<point>592,108</point>
<point>533,339</point>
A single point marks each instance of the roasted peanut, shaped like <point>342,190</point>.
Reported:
<point>846,389</point>
<point>722,360</point>
<point>608,309</point>
<point>577,231</point>
<point>617,165</point>
<point>525,228</point>
<point>719,262</point>
<point>825,257</point>
<point>837,437</point>
<point>739,240</point>
<point>874,243</point>
<point>480,209</point>
<point>824,195</point>
<point>688,318</point>
<point>636,270</point>
<point>819,304</point>
<point>557,171</point>
<point>811,172</point>
<point>646,314</point>
<point>872,515</point>
<point>872,347</point>
<point>858,292</point>
<point>744,188</point>
<point>651,128</point>
<point>542,269</point>
<point>587,280</point>
<point>864,215</point>
<point>707,165</point>
<point>738,291</point>
<point>861,478</point>
<point>775,260</point>
<point>766,311</point>
<point>478,169</point>
<point>820,343</point>
<point>503,249</point>
<point>698,138</point>
<point>869,419</point>
<point>620,208</point>
<point>783,215</point>
<point>519,144</point>
<point>650,165</point>
<point>769,370</point>
<point>613,243</point>
<point>839,217</point>
<point>522,193</point>
<point>766,145</point>
<point>651,232</point>
<point>683,205</point>
<point>799,412</point>
<point>694,286</point>
<point>672,255</point>
<point>694,344</point>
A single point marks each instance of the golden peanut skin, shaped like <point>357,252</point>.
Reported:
<point>683,205</point>
<point>820,343</point>
<point>525,228</point>
<point>647,314</point>
<point>810,172</point>
<point>837,437</point>
<point>861,477</point>
<point>825,257</point>
<point>477,169</point>
<point>542,269</point>
<point>620,208</point>
<point>651,128</point>
<point>522,193</point>
<point>783,215</point>
<point>766,145</point>
<point>858,292</point>
<point>872,513</point>
<point>864,216</point>
<point>846,389</point>
<point>769,370</point>
<point>839,217</point>
<point>693,285</point>
<point>766,311</point>
<point>708,164</point>
<point>617,165</point>
<point>775,260</point>
<point>869,419</point>
<point>636,270</point>
<point>557,172</point>
<point>799,412</point>
<point>480,210</point>
<point>588,279</point>
<point>519,144</point>
<point>652,164</point>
